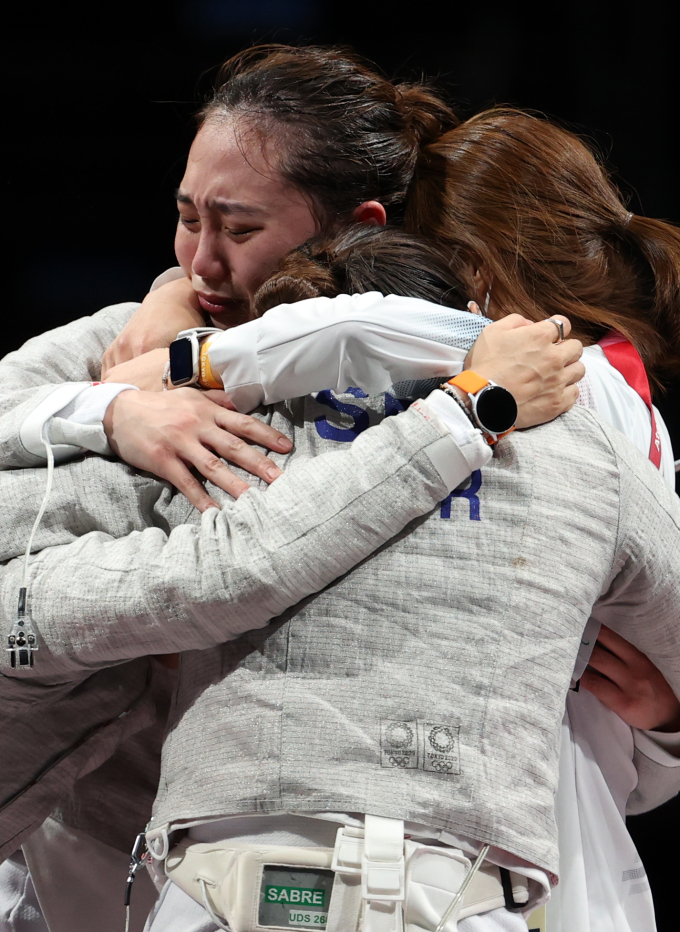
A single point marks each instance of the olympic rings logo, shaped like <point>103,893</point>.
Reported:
<point>399,761</point>
<point>440,766</point>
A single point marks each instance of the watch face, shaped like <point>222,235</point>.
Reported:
<point>181,361</point>
<point>496,409</point>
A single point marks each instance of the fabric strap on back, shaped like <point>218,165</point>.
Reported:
<point>376,855</point>
<point>383,874</point>
<point>623,356</point>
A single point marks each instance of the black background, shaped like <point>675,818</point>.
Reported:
<point>104,95</point>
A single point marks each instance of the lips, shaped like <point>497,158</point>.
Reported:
<point>224,312</point>
<point>214,304</point>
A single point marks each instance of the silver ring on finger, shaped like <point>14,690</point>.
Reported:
<point>560,329</point>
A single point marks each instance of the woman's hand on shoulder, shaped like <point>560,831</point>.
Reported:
<point>171,433</point>
<point>523,357</point>
<point>156,323</point>
<point>627,682</point>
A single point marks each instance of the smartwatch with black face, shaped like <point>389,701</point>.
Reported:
<point>185,355</point>
<point>492,408</point>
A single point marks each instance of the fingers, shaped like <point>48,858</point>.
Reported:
<point>620,647</point>
<point>603,689</point>
<point>239,453</point>
<point>550,328</point>
<point>242,425</point>
<point>511,322</point>
<point>176,472</point>
<point>609,665</point>
<point>568,352</point>
<point>565,401</point>
<point>574,372</point>
<point>106,363</point>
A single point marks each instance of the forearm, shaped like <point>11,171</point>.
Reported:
<point>45,375</point>
<point>100,601</point>
<point>367,341</point>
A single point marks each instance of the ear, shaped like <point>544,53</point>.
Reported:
<point>372,213</point>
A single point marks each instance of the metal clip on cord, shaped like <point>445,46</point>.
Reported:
<point>138,856</point>
<point>22,641</point>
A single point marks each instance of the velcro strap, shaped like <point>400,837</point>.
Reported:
<point>382,864</point>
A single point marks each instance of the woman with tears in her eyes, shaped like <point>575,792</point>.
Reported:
<point>360,263</point>
<point>293,141</point>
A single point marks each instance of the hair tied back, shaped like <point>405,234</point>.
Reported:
<point>425,115</point>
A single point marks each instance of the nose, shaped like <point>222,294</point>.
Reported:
<point>210,262</point>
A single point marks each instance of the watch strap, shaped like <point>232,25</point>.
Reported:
<point>469,381</point>
<point>206,376</point>
<point>199,332</point>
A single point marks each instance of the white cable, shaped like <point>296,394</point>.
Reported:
<point>208,907</point>
<point>41,512</point>
<point>461,893</point>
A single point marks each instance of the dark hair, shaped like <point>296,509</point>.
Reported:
<point>359,259</point>
<point>340,132</point>
<point>528,203</point>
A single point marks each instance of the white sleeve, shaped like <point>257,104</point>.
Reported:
<point>73,413</point>
<point>170,275</point>
<point>71,418</point>
<point>443,411</point>
<point>367,341</point>
<point>659,746</point>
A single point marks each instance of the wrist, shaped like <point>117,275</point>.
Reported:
<point>189,360</point>
<point>109,414</point>
<point>456,392</point>
<point>489,406</point>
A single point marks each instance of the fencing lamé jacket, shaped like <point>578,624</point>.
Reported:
<point>94,687</point>
<point>513,540</point>
<point>444,707</point>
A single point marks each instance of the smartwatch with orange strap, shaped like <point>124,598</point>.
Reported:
<point>206,376</point>
<point>189,360</point>
<point>490,407</point>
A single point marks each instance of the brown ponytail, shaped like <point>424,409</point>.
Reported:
<point>425,116</point>
<point>334,128</point>
<point>658,246</point>
<point>527,203</point>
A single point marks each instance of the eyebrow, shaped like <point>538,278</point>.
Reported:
<point>224,207</point>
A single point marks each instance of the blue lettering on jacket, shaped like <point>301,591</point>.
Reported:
<point>392,405</point>
<point>470,493</point>
<point>358,415</point>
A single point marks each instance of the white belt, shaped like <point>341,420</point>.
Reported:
<point>380,883</point>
